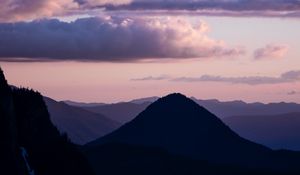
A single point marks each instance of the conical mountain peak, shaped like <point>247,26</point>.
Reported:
<point>179,125</point>
<point>175,98</point>
<point>174,108</point>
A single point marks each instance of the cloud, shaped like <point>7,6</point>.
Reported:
<point>19,10</point>
<point>110,39</point>
<point>234,5</point>
<point>152,78</point>
<point>292,92</point>
<point>24,10</point>
<point>207,12</point>
<point>104,2</point>
<point>287,77</point>
<point>271,51</point>
<point>270,8</point>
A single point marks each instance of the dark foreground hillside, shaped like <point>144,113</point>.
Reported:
<point>117,159</point>
<point>30,144</point>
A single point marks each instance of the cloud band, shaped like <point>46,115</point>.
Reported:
<point>110,39</point>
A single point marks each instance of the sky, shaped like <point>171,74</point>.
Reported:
<point>110,51</point>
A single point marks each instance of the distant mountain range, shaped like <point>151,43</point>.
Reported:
<point>82,104</point>
<point>276,131</point>
<point>181,127</point>
<point>121,112</point>
<point>80,125</point>
<point>144,100</point>
<point>237,108</point>
<point>220,109</point>
<point>255,121</point>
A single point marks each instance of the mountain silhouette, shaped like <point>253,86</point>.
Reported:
<point>81,104</point>
<point>126,111</point>
<point>82,126</point>
<point>179,125</point>
<point>144,100</point>
<point>121,112</point>
<point>221,109</point>
<point>276,131</point>
<point>29,141</point>
<point>240,108</point>
<point>10,159</point>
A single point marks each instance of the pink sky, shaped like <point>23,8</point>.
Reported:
<point>82,54</point>
<point>111,82</point>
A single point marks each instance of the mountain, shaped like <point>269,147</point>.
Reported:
<point>30,143</point>
<point>144,100</point>
<point>120,112</point>
<point>82,104</point>
<point>276,131</point>
<point>126,111</point>
<point>80,125</point>
<point>238,108</point>
<point>177,124</point>
<point>10,159</point>
<point>180,127</point>
<point>135,101</point>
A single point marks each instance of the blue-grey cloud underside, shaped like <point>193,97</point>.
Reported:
<point>109,39</point>
<point>281,8</point>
